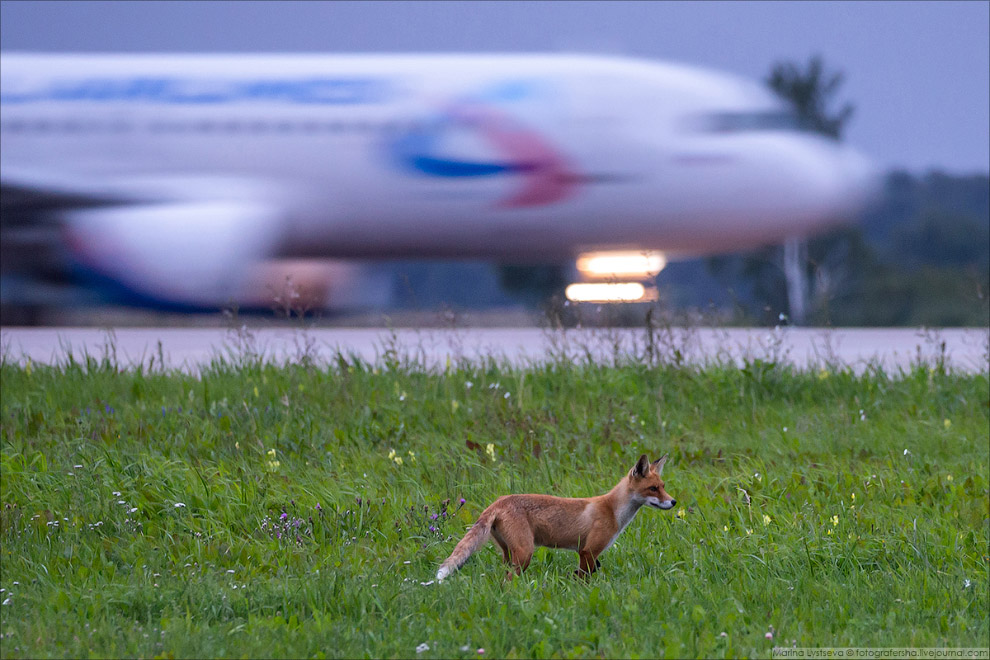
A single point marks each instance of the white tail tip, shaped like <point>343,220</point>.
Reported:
<point>442,573</point>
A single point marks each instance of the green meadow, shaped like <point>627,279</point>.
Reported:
<point>262,510</point>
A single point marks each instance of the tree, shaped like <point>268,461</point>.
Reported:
<point>811,91</point>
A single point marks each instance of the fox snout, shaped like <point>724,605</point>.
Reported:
<point>667,504</point>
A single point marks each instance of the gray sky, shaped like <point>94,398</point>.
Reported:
<point>917,72</point>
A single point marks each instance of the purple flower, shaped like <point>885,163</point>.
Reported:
<point>433,517</point>
<point>432,528</point>
<point>318,507</point>
<point>462,500</point>
<point>283,516</point>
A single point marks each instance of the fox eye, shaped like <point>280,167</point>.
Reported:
<point>654,488</point>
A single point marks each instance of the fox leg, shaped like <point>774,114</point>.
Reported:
<point>588,554</point>
<point>517,546</point>
<point>501,544</point>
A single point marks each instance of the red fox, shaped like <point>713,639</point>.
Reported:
<point>588,525</point>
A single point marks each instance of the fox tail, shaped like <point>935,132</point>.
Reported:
<point>474,539</point>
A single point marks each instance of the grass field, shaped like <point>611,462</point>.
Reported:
<point>258,510</point>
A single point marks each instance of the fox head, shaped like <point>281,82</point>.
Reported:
<point>645,482</point>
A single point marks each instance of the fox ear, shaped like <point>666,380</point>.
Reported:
<point>659,463</point>
<point>641,468</point>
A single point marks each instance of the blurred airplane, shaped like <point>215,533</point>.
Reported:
<point>194,181</point>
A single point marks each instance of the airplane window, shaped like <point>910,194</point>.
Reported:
<point>735,122</point>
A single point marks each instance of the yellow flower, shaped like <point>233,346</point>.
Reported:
<point>237,445</point>
<point>830,532</point>
<point>725,528</point>
<point>391,455</point>
<point>948,477</point>
<point>454,405</point>
<point>835,520</point>
<point>823,374</point>
<point>490,450</point>
<point>749,532</point>
<point>681,513</point>
<point>273,465</point>
<point>854,497</point>
<point>256,391</point>
<point>947,423</point>
<point>271,452</point>
<point>766,519</point>
<point>398,460</point>
<point>412,456</point>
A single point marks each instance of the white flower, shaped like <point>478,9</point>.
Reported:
<point>179,505</point>
<point>422,647</point>
<point>6,601</point>
<point>906,452</point>
<point>469,384</point>
<point>116,493</point>
<point>132,510</point>
<point>966,584</point>
<point>507,395</point>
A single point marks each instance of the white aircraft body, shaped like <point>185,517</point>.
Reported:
<point>174,177</point>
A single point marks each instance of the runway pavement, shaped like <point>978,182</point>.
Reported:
<point>193,348</point>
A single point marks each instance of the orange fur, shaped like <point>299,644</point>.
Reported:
<point>587,525</point>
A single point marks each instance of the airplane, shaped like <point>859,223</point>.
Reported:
<point>177,180</point>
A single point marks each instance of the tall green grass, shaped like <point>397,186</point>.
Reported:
<point>301,510</point>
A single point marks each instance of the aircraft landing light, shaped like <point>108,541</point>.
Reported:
<point>618,292</point>
<point>642,264</point>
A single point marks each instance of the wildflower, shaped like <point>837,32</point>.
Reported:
<point>723,634</point>
<point>725,528</point>
<point>822,374</point>
<point>830,532</point>
<point>854,497</point>
<point>468,384</point>
<point>398,460</point>
<point>490,450</point>
<point>422,647</point>
<point>769,635</point>
<point>947,422</point>
<point>273,465</point>
<point>481,651</point>
<point>237,445</point>
<point>835,520</point>
<point>766,519</point>
<point>749,532</point>
<point>966,584</point>
<point>862,415</point>
<point>465,648</point>
<point>507,395</point>
<point>681,512</point>
<point>785,429</point>
<point>132,510</point>
<point>402,397</point>
<point>283,516</point>
<point>271,452</point>
<point>6,601</point>
<point>391,455</point>
<point>454,405</point>
<point>948,477</point>
<point>412,456</point>
<point>179,505</point>
<point>462,500</point>
<point>906,452</point>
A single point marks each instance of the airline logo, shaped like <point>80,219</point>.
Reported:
<point>512,147</point>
